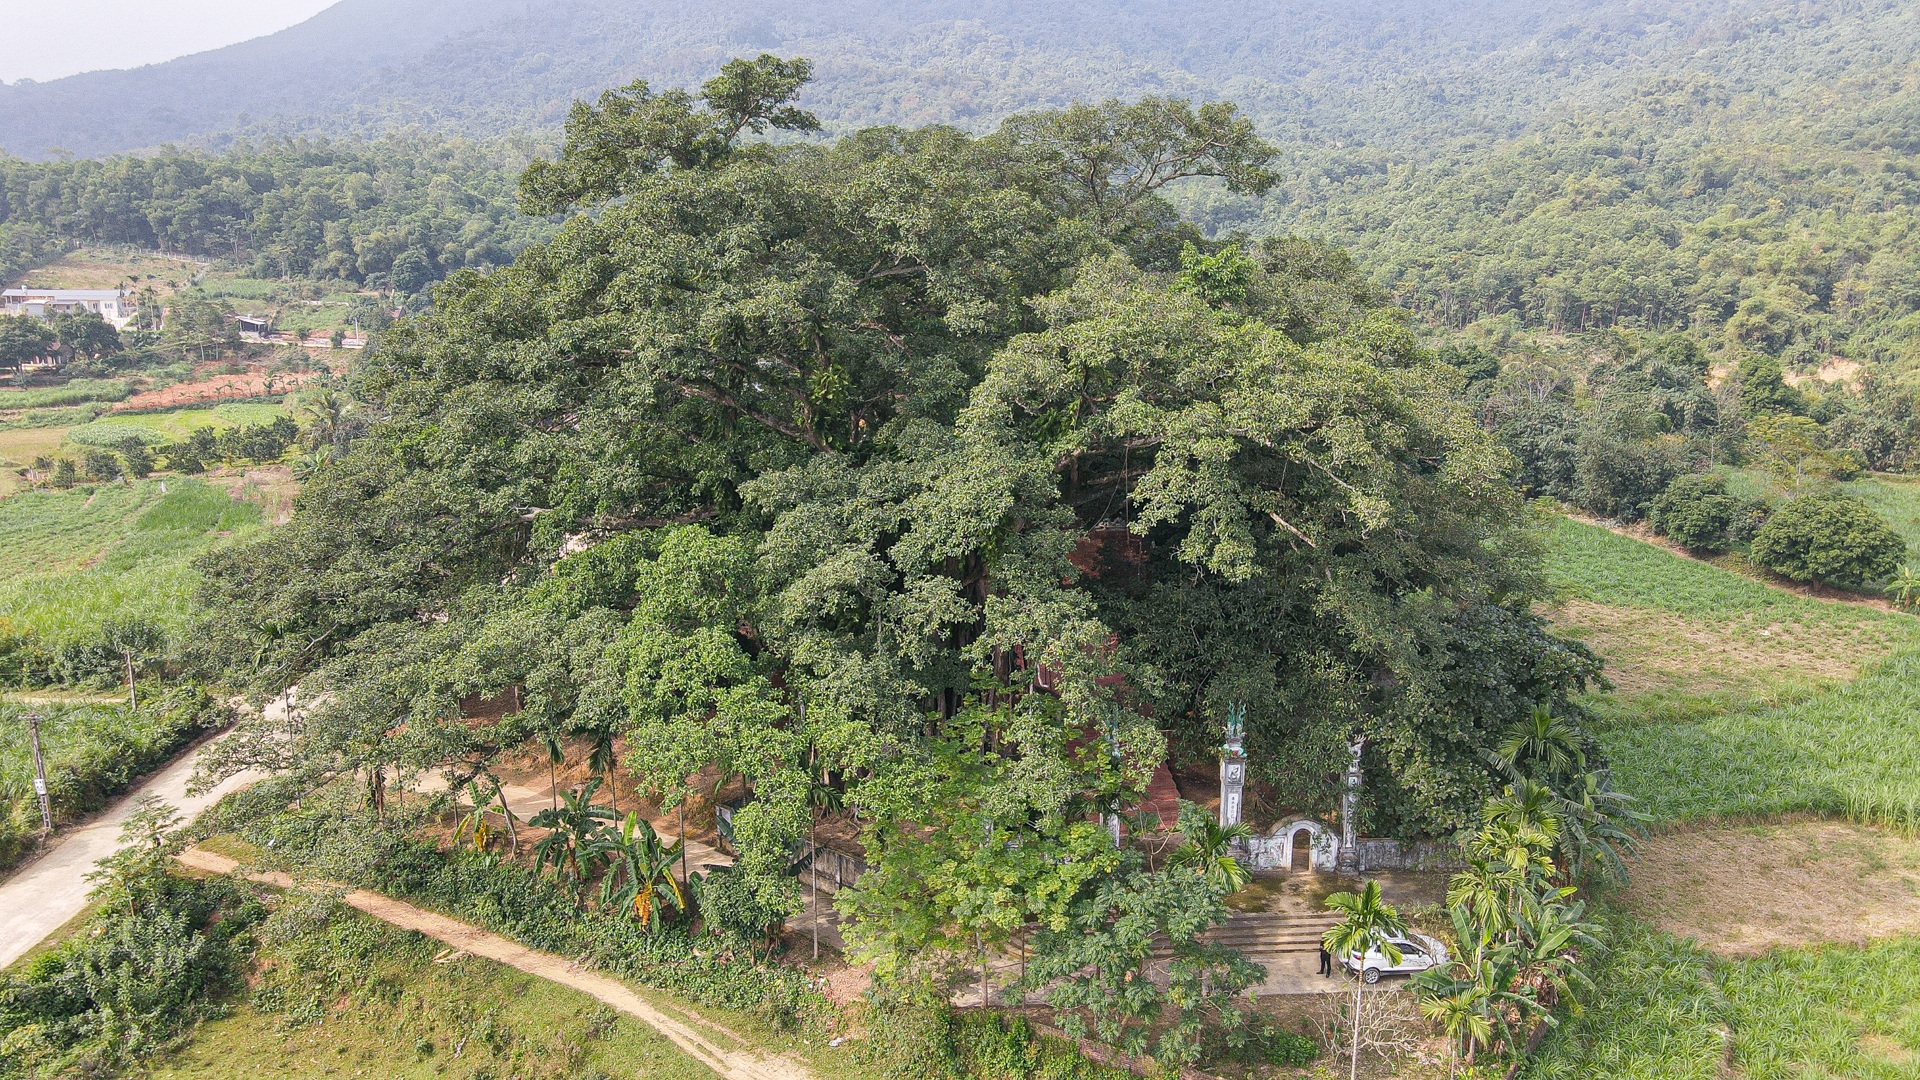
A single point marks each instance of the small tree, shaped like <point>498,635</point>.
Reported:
<point>641,880</point>
<point>1697,512</point>
<point>100,464</point>
<point>576,828</point>
<point>135,638</point>
<point>1209,849</point>
<point>138,459</point>
<point>1367,924</point>
<point>1831,537</point>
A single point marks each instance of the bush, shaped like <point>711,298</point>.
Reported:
<point>333,839</point>
<point>157,959</point>
<point>1831,537</point>
<point>1697,512</point>
<point>93,753</point>
<point>1619,477</point>
<point>915,1035</point>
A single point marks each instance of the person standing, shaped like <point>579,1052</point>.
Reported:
<point>1326,961</point>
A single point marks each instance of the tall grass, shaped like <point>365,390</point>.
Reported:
<point>1657,1014</point>
<point>1595,564</point>
<point>93,752</point>
<point>70,560</point>
<point>1664,1009</point>
<point>1847,749</point>
<point>75,392</point>
<point>1853,751</point>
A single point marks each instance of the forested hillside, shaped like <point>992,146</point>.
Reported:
<point>395,213</point>
<point>1406,72</point>
<point>1743,168</point>
<point>1765,188</point>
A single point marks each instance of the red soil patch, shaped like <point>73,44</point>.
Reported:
<point>216,388</point>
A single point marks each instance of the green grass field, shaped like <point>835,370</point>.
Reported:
<point>74,392</point>
<point>1686,640</point>
<point>1820,714</point>
<point>397,1013</point>
<point>69,560</point>
<point>1666,1010</point>
<point>176,423</point>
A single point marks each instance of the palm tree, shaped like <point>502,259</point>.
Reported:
<point>822,799</point>
<point>1366,925</point>
<point>1461,1011</point>
<point>1542,738</point>
<point>556,757</point>
<point>1208,850</point>
<point>642,874</point>
<point>575,827</point>
<point>601,762</point>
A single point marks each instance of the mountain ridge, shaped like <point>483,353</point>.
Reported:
<point>1304,68</point>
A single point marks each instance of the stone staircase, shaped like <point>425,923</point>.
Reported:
<point>1263,936</point>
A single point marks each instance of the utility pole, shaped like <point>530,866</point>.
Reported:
<point>40,776</point>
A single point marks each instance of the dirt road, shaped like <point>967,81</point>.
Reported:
<point>40,899</point>
<point>734,1064</point>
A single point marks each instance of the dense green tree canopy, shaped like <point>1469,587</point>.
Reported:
<point>833,452</point>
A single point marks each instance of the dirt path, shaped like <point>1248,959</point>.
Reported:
<point>733,1064</point>
<point>40,898</point>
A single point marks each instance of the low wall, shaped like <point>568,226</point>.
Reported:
<point>1379,853</point>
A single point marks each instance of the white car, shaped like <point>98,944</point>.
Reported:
<point>1418,952</point>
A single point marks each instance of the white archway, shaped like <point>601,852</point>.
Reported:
<point>1323,846</point>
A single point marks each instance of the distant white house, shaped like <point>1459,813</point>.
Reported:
<point>114,305</point>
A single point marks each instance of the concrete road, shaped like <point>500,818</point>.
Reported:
<point>42,897</point>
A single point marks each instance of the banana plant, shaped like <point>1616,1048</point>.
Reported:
<point>641,880</point>
<point>476,824</point>
<point>575,828</point>
<point>1905,587</point>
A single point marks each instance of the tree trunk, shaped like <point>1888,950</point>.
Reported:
<point>132,703</point>
<point>981,945</point>
<point>1359,986</point>
<point>513,835</point>
<point>813,864</point>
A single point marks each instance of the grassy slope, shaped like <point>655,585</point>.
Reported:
<point>1805,744</point>
<point>1666,1011</point>
<point>1664,1008</point>
<point>69,560</point>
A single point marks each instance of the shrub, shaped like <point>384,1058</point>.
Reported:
<point>157,958</point>
<point>1697,512</point>
<point>331,838</point>
<point>1831,537</point>
<point>1618,477</point>
<point>93,752</point>
<point>915,1035</point>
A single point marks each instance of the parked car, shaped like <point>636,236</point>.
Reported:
<point>1418,952</point>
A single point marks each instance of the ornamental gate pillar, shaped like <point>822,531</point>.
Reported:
<point>1233,768</point>
<point>1349,858</point>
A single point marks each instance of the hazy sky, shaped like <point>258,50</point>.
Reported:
<point>45,39</point>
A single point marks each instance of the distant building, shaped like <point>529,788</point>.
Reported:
<point>114,305</point>
<point>253,327</point>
